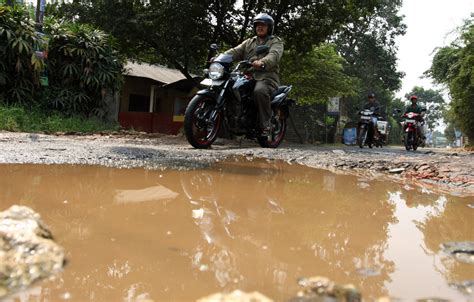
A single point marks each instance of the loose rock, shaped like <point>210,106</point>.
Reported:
<point>396,171</point>
<point>322,289</point>
<point>461,251</point>
<point>27,251</point>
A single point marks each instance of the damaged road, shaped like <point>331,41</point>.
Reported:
<point>437,169</point>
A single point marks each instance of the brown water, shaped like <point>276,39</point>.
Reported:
<point>171,235</point>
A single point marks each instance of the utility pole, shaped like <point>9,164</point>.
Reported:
<point>40,8</point>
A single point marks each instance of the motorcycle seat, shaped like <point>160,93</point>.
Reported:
<point>281,89</point>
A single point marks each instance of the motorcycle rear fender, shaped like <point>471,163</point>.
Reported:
<point>285,110</point>
<point>283,102</point>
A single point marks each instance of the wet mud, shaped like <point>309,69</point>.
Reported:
<point>257,225</point>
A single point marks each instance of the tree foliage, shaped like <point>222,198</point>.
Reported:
<point>452,66</point>
<point>177,33</point>
<point>369,49</point>
<point>368,45</point>
<point>318,75</point>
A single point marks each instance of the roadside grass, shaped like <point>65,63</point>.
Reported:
<point>18,119</point>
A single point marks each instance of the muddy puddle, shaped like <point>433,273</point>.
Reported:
<point>132,235</point>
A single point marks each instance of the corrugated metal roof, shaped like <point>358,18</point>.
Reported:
<point>155,72</point>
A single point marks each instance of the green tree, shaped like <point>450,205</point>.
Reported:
<point>152,31</point>
<point>318,75</point>
<point>449,133</point>
<point>434,103</point>
<point>369,49</point>
<point>452,67</point>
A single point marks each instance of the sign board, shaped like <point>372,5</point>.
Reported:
<point>333,105</point>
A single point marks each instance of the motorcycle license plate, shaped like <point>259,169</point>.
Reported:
<point>410,121</point>
<point>365,117</point>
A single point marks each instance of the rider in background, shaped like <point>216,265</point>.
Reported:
<point>415,108</point>
<point>374,106</point>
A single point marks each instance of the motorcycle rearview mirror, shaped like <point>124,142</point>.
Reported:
<point>262,49</point>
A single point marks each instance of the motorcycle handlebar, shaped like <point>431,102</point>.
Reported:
<point>245,63</point>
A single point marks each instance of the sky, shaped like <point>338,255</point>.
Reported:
<point>429,24</point>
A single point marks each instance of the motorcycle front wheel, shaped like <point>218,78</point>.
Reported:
<point>201,122</point>
<point>362,137</point>
<point>278,130</point>
<point>415,142</point>
<point>409,140</point>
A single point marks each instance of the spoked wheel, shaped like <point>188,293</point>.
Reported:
<point>201,122</point>
<point>361,138</point>
<point>409,140</point>
<point>278,130</point>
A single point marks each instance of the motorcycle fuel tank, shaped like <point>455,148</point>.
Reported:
<point>242,87</point>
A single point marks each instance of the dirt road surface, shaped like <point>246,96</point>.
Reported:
<point>441,170</point>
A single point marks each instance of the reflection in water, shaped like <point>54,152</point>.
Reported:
<point>146,194</point>
<point>249,225</point>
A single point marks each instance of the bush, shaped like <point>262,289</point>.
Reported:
<point>19,119</point>
<point>82,66</point>
<point>19,67</point>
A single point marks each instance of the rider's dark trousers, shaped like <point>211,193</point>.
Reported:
<point>262,96</point>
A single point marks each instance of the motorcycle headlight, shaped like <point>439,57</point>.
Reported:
<point>216,71</point>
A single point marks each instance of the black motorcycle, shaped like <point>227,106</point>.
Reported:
<point>366,128</point>
<point>227,102</point>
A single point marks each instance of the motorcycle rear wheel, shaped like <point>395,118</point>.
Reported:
<point>278,130</point>
<point>201,122</point>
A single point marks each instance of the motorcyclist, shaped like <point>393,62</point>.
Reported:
<point>415,108</point>
<point>265,67</point>
<point>374,106</point>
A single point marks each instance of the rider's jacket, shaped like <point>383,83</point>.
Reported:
<point>415,109</point>
<point>246,51</point>
<point>372,106</point>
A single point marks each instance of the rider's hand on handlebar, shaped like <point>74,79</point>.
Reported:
<point>257,64</point>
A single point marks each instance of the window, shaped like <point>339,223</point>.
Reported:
<point>138,103</point>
